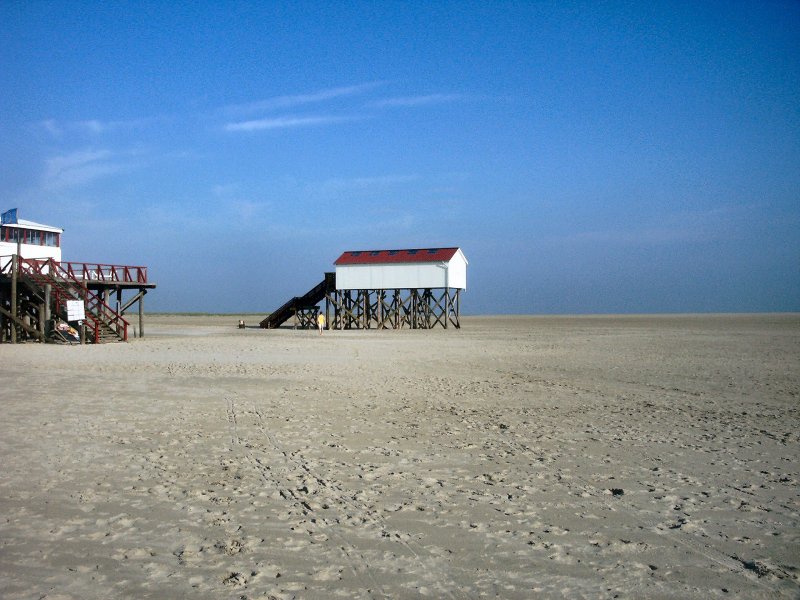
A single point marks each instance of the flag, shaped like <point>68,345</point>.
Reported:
<point>8,217</point>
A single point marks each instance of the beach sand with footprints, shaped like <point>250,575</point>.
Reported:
<point>518,457</point>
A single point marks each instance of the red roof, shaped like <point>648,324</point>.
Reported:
<point>413,255</point>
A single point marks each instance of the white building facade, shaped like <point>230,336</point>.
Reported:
<point>419,268</point>
<point>34,240</point>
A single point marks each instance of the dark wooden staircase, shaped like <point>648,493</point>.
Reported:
<point>307,301</point>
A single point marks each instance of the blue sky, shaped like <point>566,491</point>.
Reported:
<point>588,157</point>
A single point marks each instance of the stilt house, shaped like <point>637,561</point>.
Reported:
<point>432,268</point>
<point>418,288</point>
<point>40,293</point>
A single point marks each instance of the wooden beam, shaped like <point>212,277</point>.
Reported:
<point>132,301</point>
<point>32,330</point>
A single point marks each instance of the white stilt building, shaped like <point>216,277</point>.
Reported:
<point>423,268</point>
<point>418,288</point>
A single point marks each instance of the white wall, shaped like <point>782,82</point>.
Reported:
<point>403,276</point>
<point>30,250</point>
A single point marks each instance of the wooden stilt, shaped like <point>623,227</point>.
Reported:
<point>14,315</point>
<point>424,308</point>
<point>141,313</point>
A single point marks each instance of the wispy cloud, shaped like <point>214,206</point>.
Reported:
<point>98,126</point>
<point>52,127</point>
<point>232,199</point>
<point>417,100</point>
<point>287,122</point>
<point>292,101</point>
<point>94,126</point>
<point>79,168</point>
<point>225,190</point>
<point>282,103</point>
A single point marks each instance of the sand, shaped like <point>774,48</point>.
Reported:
<point>518,457</point>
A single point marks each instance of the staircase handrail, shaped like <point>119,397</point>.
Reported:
<point>307,300</point>
<point>315,294</point>
<point>6,262</point>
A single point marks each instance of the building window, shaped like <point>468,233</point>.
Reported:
<point>10,234</point>
<point>33,237</point>
<point>433,250</point>
<point>413,251</point>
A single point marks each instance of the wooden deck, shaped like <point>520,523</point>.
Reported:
<point>34,295</point>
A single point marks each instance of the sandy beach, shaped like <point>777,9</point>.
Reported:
<point>518,457</point>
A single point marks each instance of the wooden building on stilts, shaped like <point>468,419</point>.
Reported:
<point>45,299</point>
<point>384,289</point>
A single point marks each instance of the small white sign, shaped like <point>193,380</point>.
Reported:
<point>75,310</point>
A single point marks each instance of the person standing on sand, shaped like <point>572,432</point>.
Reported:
<point>321,322</point>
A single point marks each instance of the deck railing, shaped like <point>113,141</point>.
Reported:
<point>89,272</point>
<point>105,273</point>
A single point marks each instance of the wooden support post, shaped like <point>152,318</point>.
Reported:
<point>415,308</point>
<point>141,313</point>
<point>458,309</point>
<point>48,291</point>
<point>42,322</point>
<point>14,315</point>
<point>446,305</point>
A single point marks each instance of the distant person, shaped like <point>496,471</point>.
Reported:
<point>321,322</point>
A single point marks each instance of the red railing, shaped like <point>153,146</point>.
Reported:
<point>90,271</point>
<point>111,273</point>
